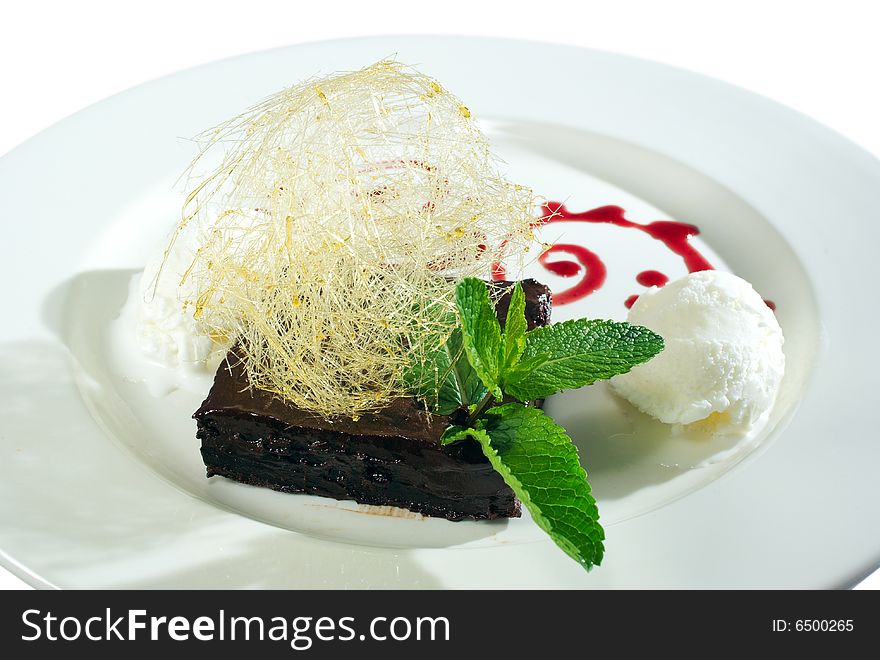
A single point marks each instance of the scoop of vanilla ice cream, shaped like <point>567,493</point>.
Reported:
<point>723,351</point>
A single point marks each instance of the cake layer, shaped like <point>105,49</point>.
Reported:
<point>391,469</point>
<point>390,457</point>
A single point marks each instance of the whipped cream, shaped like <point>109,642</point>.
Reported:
<point>166,331</point>
<point>156,336</point>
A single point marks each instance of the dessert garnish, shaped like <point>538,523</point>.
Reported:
<point>329,224</point>
<point>514,366</point>
<point>675,236</point>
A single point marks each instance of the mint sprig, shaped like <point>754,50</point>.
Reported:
<point>533,454</point>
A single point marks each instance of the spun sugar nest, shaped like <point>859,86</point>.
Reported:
<point>333,219</point>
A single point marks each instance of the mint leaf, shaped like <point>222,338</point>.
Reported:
<point>576,353</point>
<point>454,434</point>
<point>537,459</point>
<point>458,383</point>
<point>522,369</point>
<point>481,332</point>
<point>446,380</point>
<point>514,334</point>
<point>470,389</point>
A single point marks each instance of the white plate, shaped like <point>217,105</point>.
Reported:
<point>102,484</point>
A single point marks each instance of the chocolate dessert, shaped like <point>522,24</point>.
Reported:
<point>389,457</point>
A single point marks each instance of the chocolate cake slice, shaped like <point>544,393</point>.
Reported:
<point>390,457</point>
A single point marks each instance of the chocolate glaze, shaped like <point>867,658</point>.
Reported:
<point>389,457</point>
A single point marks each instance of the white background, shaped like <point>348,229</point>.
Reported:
<point>818,57</point>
